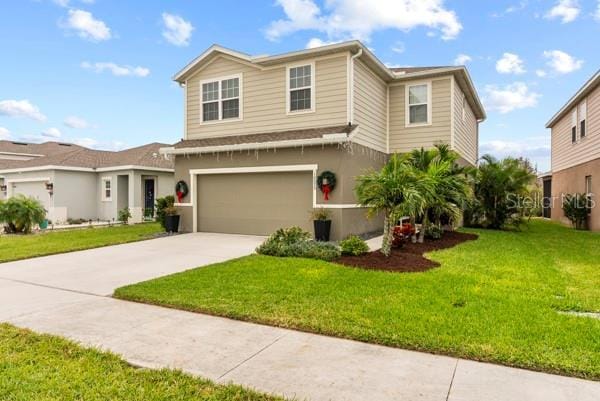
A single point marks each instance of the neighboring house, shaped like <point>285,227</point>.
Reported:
<point>576,149</point>
<point>73,182</point>
<point>260,130</point>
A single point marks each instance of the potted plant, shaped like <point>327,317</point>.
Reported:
<point>171,219</point>
<point>321,223</point>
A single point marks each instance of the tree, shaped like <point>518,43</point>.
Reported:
<point>500,189</point>
<point>396,190</point>
<point>450,187</point>
<point>20,214</point>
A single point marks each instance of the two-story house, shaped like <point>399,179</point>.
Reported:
<point>576,149</point>
<point>260,131</point>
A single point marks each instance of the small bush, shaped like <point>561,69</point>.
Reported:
<point>433,231</point>
<point>295,242</point>
<point>161,205</point>
<point>576,208</point>
<point>320,214</point>
<point>124,215</point>
<point>20,214</point>
<point>354,245</point>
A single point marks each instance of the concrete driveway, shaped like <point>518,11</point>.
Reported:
<point>100,271</point>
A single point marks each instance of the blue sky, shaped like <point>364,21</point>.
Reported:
<point>98,72</point>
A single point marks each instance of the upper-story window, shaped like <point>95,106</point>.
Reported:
<point>582,119</point>
<point>574,126</point>
<point>220,99</point>
<point>418,104</point>
<point>301,90</point>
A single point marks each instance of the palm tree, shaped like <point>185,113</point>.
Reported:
<point>448,181</point>
<point>396,190</point>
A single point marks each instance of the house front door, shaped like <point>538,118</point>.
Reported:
<point>149,198</point>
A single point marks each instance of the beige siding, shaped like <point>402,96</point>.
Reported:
<point>566,154</point>
<point>370,108</point>
<point>404,139</point>
<point>264,98</point>
<point>465,130</point>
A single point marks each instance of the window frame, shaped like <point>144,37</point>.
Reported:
<point>288,90</point>
<point>407,105</point>
<point>582,119</point>
<point>588,189</point>
<point>573,127</point>
<point>220,99</point>
<point>103,188</point>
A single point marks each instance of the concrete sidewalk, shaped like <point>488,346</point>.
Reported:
<point>294,364</point>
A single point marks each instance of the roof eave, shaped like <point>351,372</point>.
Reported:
<point>581,93</point>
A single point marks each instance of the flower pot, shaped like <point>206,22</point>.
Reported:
<point>44,225</point>
<point>322,229</point>
<point>172,224</point>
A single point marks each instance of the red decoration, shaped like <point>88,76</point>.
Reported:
<point>402,234</point>
<point>326,189</point>
<point>180,196</point>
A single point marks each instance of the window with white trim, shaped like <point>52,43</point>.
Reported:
<point>418,104</point>
<point>582,118</point>
<point>588,190</point>
<point>106,188</point>
<point>301,87</point>
<point>220,99</point>
<point>574,126</point>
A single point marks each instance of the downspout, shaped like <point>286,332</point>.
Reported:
<point>357,55</point>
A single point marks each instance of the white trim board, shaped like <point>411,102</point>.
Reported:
<point>85,169</point>
<point>194,173</point>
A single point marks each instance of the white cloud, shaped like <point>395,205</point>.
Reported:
<point>116,69</point>
<point>86,142</point>
<point>343,19</point>
<point>399,48</point>
<point>510,63</point>
<point>316,42</point>
<point>76,122</point>
<point>566,10</point>
<point>462,59</point>
<point>4,133</point>
<point>21,108</point>
<point>66,3</point>
<point>512,9</point>
<point>509,97</point>
<point>597,13</point>
<point>51,133</point>
<point>177,30</point>
<point>536,149</point>
<point>541,73</point>
<point>86,26</point>
<point>561,62</point>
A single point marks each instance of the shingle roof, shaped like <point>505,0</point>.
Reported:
<point>310,133</point>
<point>145,156</point>
<point>45,149</point>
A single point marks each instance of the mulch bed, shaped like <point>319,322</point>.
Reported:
<point>408,258</point>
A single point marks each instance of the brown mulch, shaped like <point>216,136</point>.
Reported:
<point>408,258</point>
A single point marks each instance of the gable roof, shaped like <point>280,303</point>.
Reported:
<point>36,149</point>
<point>146,156</point>
<point>354,47</point>
<point>589,86</point>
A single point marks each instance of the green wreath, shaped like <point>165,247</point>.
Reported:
<point>181,190</point>
<point>330,178</point>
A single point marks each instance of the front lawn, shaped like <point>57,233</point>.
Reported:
<point>493,299</point>
<point>15,247</point>
<point>40,367</point>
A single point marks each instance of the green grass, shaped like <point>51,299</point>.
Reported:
<point>16,247</point>
<point>494,299</point>
<point>37,367</point>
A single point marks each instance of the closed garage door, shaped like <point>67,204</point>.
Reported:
<point>254,203</point>
<point>36,190</point>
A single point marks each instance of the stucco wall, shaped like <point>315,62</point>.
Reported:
<point>76,192</point>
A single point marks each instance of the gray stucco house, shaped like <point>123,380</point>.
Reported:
<point>74,182</point>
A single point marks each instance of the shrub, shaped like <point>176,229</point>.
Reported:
<point>20,214</point>
<point>295,242</point>
<point>161,205</point>
<point>124,215</point>
<point>320,214</point>
<point>433,231</point>
<point>576,209</point>
<point>354,245</point>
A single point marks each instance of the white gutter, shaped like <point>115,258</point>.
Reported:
<point>85,169</point>
<point>351,78</point>
<point>330,139</point>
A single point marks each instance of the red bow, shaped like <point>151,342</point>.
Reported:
<point>326,190</point>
